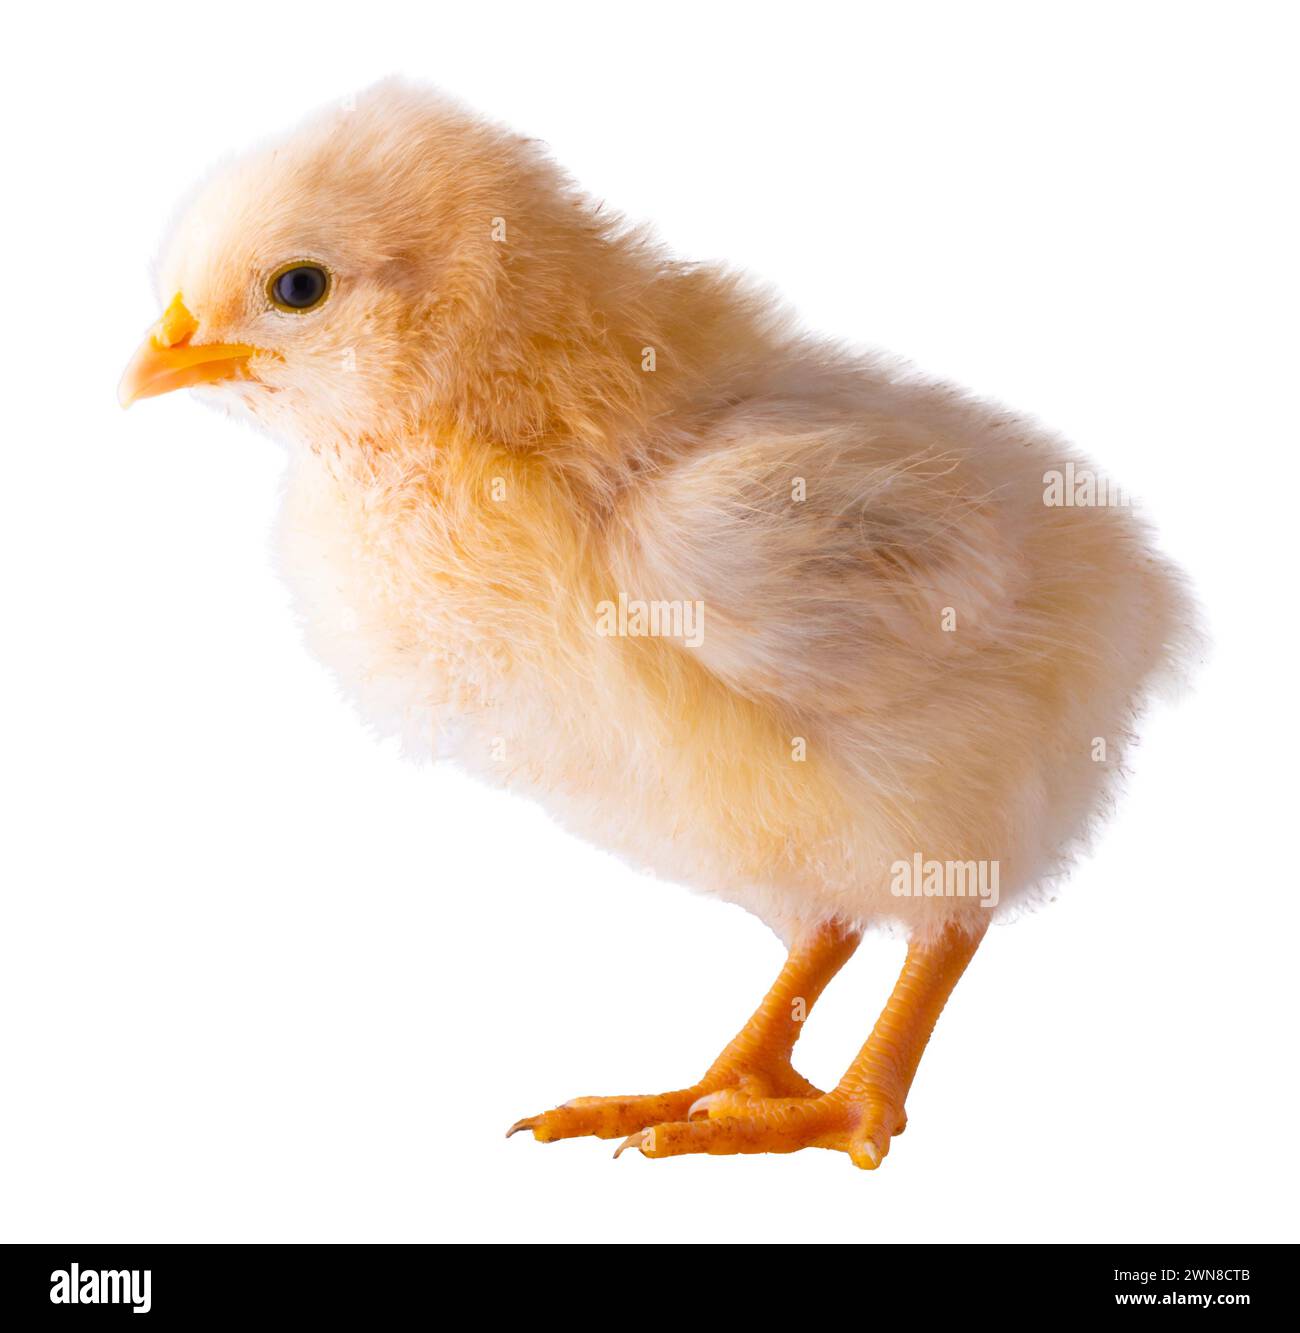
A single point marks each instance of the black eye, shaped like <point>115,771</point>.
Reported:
<point>299,287</point>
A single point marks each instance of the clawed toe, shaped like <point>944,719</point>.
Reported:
<point>605,1117</point>
<point>614,1117</point>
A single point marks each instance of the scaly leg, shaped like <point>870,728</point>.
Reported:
<point>865,1110</point>
<point>755,1064</point>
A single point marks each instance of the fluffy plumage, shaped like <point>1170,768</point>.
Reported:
<point>904,648</point>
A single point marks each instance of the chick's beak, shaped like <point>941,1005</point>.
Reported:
<point>167,360</point>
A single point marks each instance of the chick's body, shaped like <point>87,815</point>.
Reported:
<point>521,416</point>
<point>784,764</point>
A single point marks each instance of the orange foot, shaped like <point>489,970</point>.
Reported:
<point>729,1122</point>
<point>752,1100</point>
<point>755,1065</point>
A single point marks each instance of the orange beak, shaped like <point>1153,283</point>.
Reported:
<point>167,360</point>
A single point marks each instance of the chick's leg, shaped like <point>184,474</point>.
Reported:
<point>865,1110</point>
<point>755,1064</point>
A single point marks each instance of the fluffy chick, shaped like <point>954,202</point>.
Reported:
<point>521,436</point>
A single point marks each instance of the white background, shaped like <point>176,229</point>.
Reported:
<point>261,979</point>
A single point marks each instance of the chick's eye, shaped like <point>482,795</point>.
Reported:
<point>300,287</point>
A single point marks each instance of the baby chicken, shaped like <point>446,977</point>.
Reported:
<point>793,626</point>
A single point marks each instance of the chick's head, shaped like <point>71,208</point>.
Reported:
<point>327,285</point>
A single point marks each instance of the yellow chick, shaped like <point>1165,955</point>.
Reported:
<point>790,625</point>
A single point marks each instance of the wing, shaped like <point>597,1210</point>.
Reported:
<point>839,565</point>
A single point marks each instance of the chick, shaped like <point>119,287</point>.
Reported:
<point>791,625</point>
